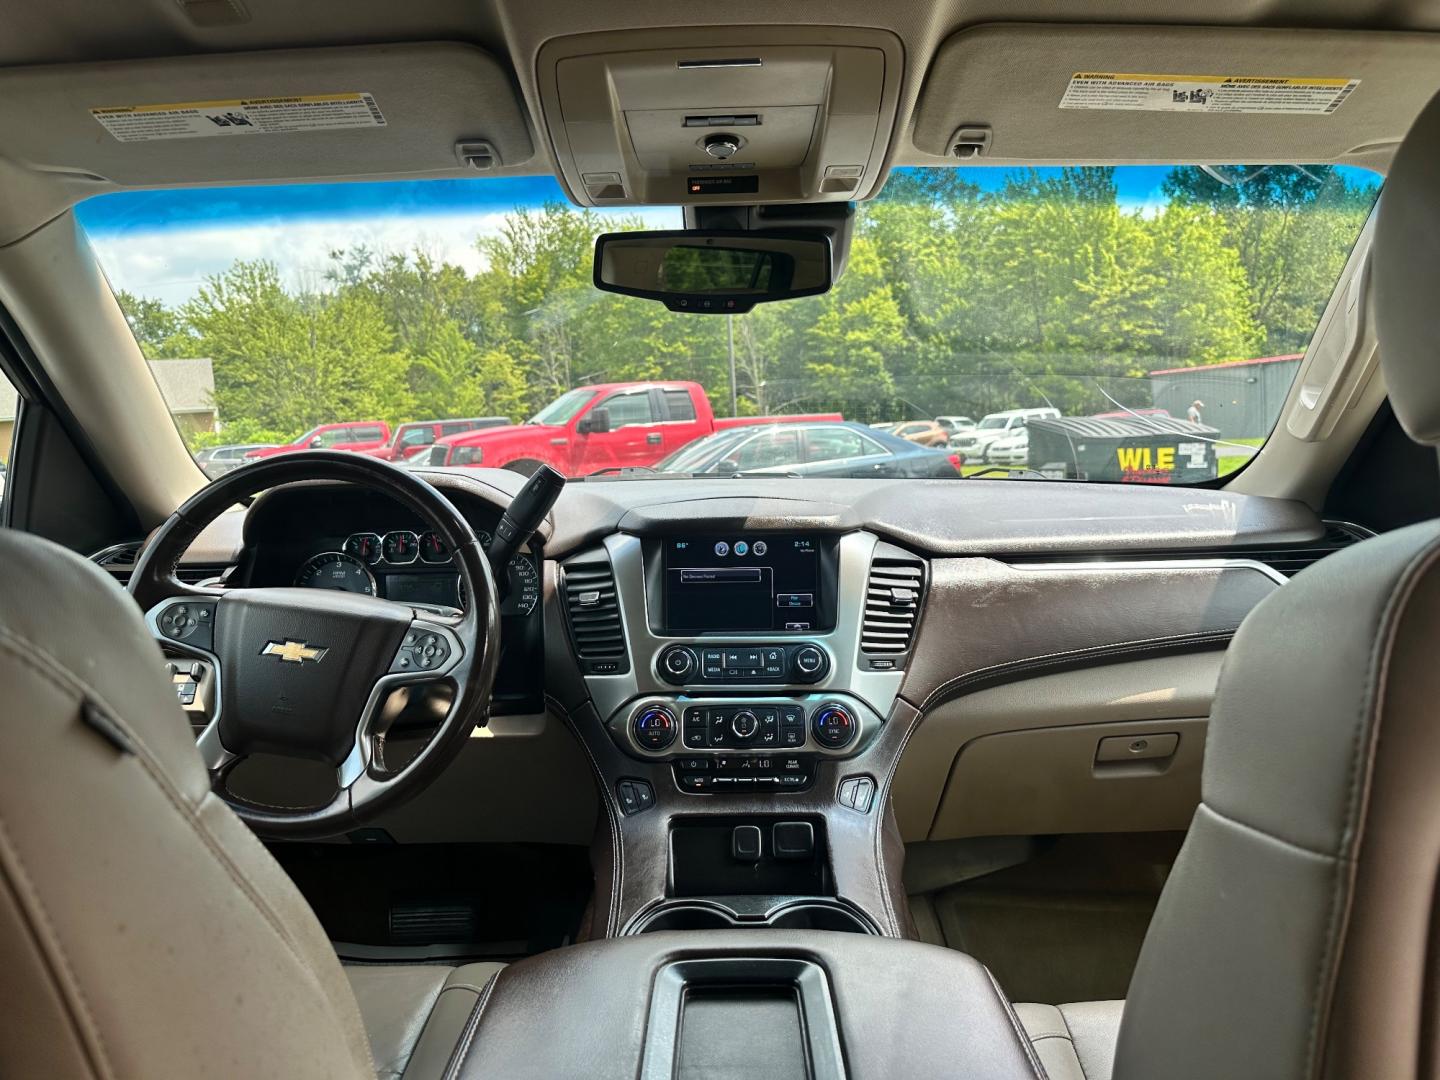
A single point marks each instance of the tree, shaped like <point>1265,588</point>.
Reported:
<point>284,363</point>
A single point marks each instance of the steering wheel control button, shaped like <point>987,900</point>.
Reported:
<point>655,727</point>
<point>857,793</point>
<point>677,664</point>
<point>635,796</point>
<point>422,650</point>
<point>190,621</point>
<point>834,726</point>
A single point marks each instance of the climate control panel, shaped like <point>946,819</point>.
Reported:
<point>802,662</point>
<point>765,743</point>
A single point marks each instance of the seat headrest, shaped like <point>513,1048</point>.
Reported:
<point>1406,275</point>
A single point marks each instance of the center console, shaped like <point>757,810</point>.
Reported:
<point>728,1004</point>
<point>738,684</point>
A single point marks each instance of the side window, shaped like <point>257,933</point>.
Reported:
<point>466,455</point>
<point>771,448</point>
<point>364,433</point>
<point>333,437</point>
<point>632,408</point>
<point>417,436</point>
<point>679,405</point>
<point>455,429</point>
<point>9,410</point>
<point>830,444</point>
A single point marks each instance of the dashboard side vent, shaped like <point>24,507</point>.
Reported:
<point>892,609</point>
<point>594,614</point>
<point>1291,560</point>
<point>119,563</point>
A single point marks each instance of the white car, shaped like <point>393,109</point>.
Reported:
<point>994,427</point>
<point>1011,449</point>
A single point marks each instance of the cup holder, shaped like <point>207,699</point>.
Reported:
<point>713,915</point>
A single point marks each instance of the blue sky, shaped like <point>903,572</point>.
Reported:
<point>165,243</point>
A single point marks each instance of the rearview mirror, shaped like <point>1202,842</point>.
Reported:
<point>713,272</point>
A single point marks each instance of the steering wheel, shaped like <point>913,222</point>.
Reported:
<point>305,673</point>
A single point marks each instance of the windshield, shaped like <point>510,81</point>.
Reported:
<point>563,409</point>
<point>1109,298</point>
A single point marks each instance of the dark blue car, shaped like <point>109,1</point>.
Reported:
<point>823,448</point>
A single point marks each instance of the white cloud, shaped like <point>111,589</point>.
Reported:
<point>170,264</point>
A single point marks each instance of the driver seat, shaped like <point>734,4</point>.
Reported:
<point>144,931</point>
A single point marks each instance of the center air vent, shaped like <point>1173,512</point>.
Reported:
<point>594,613</point>
<point>892,607</point>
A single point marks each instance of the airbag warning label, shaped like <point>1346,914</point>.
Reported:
<point>1205,93</point>
<point>243,116</point>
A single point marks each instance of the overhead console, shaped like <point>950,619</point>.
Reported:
<point>687,116</point>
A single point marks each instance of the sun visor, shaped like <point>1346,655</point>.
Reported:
<point>437,108</point>
<point>1010,93</point>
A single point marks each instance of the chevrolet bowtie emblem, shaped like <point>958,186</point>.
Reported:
<point>295,652</point>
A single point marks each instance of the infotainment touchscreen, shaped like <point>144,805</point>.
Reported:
<point>743,582</point>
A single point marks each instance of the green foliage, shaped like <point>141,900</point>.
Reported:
<point>956,299</point>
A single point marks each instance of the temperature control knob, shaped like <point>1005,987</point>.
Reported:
<point>677,664</point>
<point>810,663</point>
<point>655,727</point>
<point>834,726</point>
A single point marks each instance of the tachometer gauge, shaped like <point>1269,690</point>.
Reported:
<point>433,548</point>
<point>363,546</point>
<point>400,547</point>
<point>336,570</point>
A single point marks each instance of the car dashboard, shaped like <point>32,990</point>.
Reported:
<point>822,655</point>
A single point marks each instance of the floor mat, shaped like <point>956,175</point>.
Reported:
<point>1064,926</point>
<point>461,901</point>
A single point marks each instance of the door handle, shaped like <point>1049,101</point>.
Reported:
<point>653,439</point>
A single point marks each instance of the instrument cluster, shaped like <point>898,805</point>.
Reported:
<point>411,567</point>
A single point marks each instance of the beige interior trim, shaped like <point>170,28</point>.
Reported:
<point>1012,76</point>
<point>430,95</point>
<point>1130,694</point>
<point>52,286</point>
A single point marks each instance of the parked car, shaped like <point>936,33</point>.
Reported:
<point>997,425</point>
<point>1013,448</point>
<point>810,449</point>
<point>215,461</point>
<point>955,425</point>
<point>594,428</point>
<point>924,432</point>
<point>416,435</point>
<point>352,435</point>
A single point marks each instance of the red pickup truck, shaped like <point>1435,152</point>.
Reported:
<point>352,435</point>
<point>594,428</point>
<point>414,436</point>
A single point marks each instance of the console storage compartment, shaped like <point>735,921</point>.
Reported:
<point>725,1004</point>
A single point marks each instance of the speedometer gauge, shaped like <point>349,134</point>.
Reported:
<point>523,591</point>
<point>336,570</point>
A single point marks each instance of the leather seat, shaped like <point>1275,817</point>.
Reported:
<point>1295,936</point>
<point>144,931</point>
<point>415,1014</point>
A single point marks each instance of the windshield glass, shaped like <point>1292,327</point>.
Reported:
<point>563,408</point>
<point>1160,311</point>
